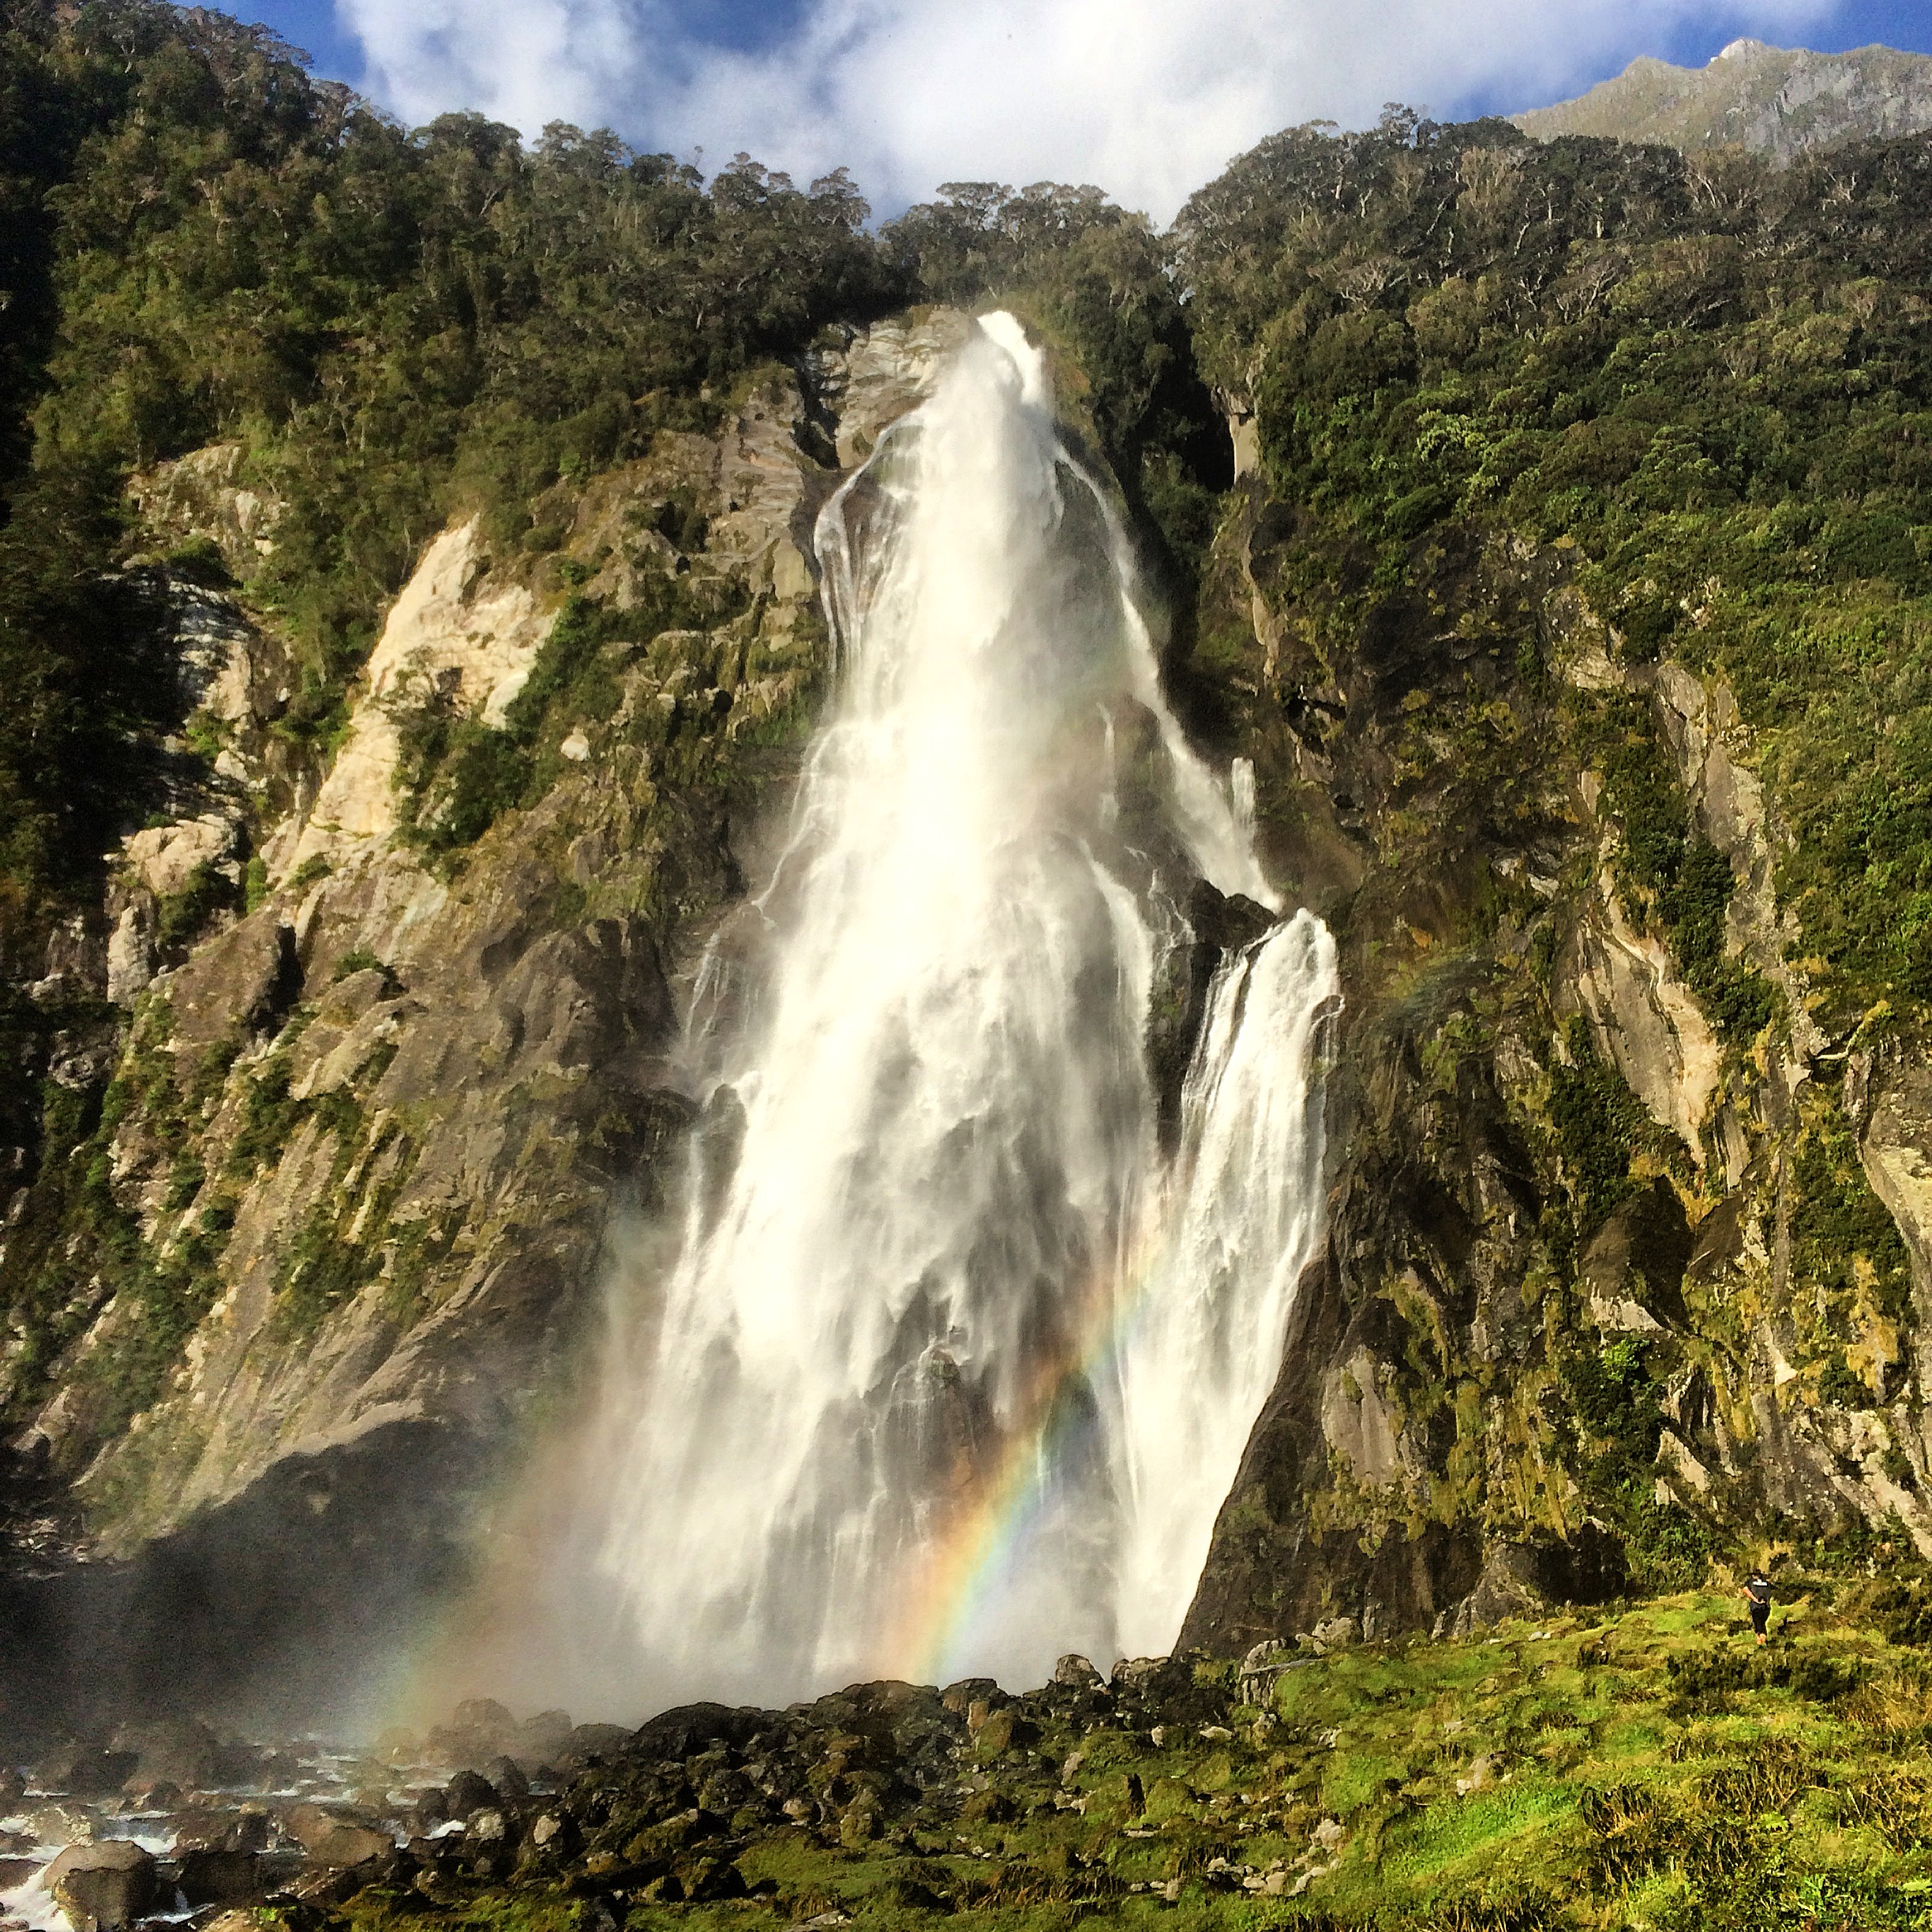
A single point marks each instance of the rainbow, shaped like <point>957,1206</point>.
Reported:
<point>961,1568</point>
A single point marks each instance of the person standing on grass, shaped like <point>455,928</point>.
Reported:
<point>1757,1594</point>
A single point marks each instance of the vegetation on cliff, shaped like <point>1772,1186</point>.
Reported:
<point>1573,606</point>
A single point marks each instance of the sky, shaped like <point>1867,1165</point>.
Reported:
<point>1146,98</point>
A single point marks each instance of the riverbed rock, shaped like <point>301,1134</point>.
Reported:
<point>469,1792</point>
<point>220,1877</point>
<point>103,1887</point>
<point>335,1841</point>
<point>97,1773</point>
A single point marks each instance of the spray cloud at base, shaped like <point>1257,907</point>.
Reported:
<point>945,1362</point>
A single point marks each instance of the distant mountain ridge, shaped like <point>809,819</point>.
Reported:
<point>1778,101</point>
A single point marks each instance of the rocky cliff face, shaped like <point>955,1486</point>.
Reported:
<point>373,1052</point>
<point>1609,1271</point>
<point>1626,1252</point>
<point>1777,101</point>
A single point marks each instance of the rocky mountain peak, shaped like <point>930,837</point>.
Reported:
<point>1777,101</point>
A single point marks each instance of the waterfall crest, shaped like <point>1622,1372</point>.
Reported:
<point>955,1366</point>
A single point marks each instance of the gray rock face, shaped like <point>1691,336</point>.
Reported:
<point>1777,101</point>
<point>1417,1462</point>
<point>377,1114</point>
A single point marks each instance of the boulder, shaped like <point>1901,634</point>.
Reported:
<point>1076,1673</point>
<point>63,1824</point>
<point>104,1887</point>
<point>1005,1731</point>
<point>543,1735</point>
<point>97,1773</point>
<point>16,1871</point>
<point>960,1698</point>
<point>334,1841</point>
<point>508,1778</point>
<point>13,1788</point>
<point>486,1715</point>
<point>592,1740</point>
<point>211,1830</point>
<point>469,1792</point>
<point>220,1878</point>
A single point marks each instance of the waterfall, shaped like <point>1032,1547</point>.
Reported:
<point>954,1365</point>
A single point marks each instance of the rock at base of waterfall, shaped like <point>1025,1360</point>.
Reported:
<point>13,1788</point>
<point>335,1841</point>
<point>468,1794</point>
<point>102,1888</point>
<point>220,1878</point>
<point>97,1774</point>
<point>1075,1671</point>
<point>1005,1731</point>
<point>960,1698</point>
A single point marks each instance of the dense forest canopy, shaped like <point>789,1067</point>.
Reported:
<point>1710,375</point>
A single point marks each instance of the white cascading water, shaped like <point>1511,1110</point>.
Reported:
<point>955,1367</point>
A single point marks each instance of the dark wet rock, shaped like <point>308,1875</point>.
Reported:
<point>13,1788</point>
<point>204,1829</point>
<point>102,1888</point>
<point>507,1776</point>
<point>220,1878</point>
<point>690,1728</point>
<point>326,1884</point>
<point>591,1740</point>
<point>1526,1579</point>
<point>16,1871</point>
<point>97,1774</point>
<point>469,1792</point>
<point>960,1698</point>
<point>1221,926</point>
<point>177,1751</point>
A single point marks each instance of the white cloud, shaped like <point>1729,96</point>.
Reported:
<point>1147,98</point>
<point>524,61</point>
